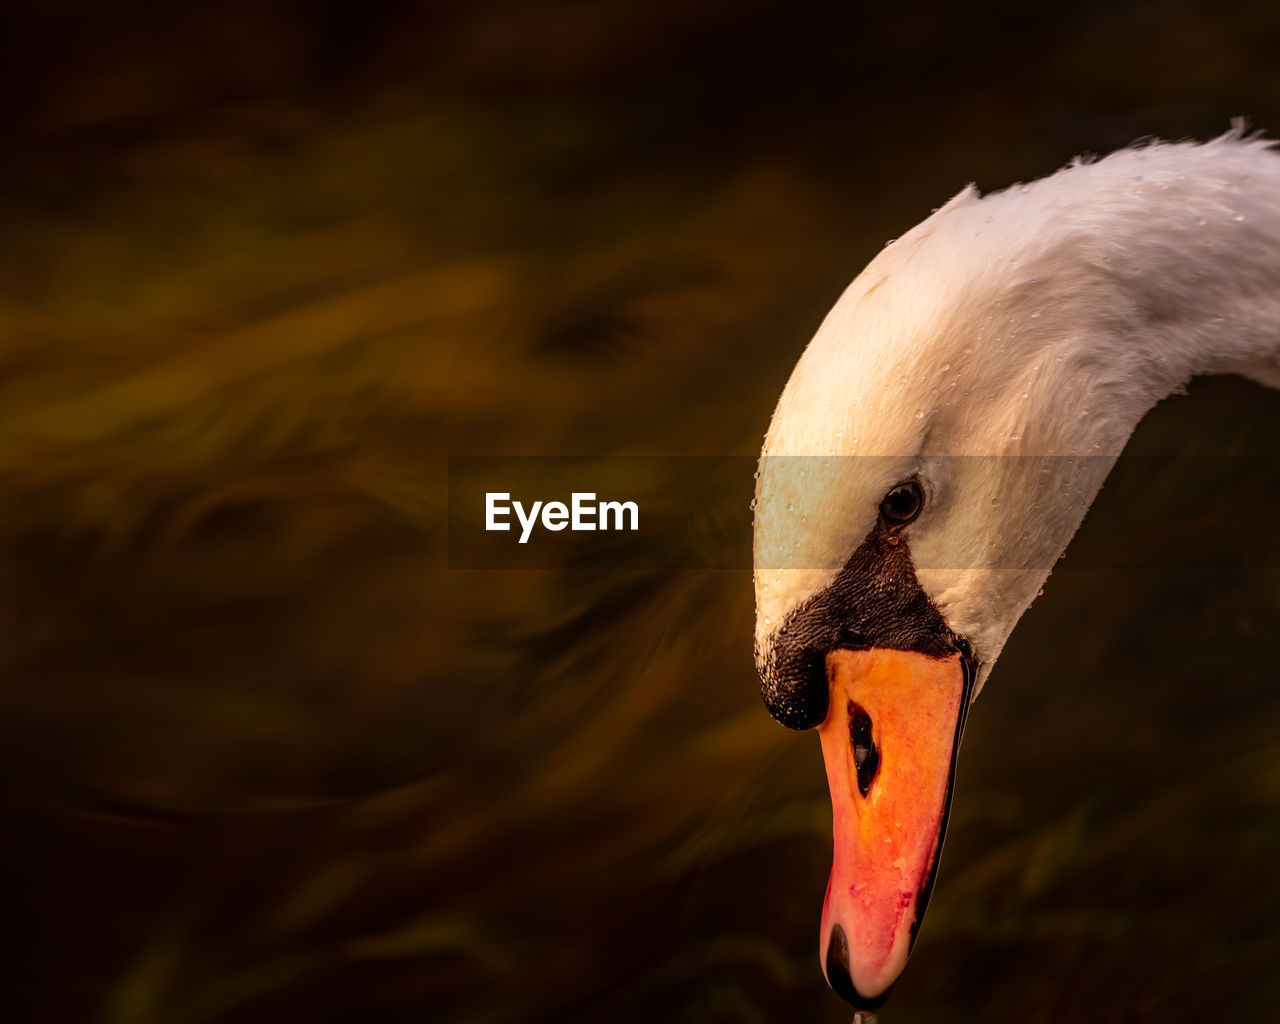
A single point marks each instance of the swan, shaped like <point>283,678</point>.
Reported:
<point>937,445</point>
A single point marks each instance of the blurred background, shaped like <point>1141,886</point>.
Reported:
<point>266,758</point>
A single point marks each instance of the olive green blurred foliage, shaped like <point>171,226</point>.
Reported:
<point>266,758</point>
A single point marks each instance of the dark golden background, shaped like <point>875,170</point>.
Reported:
<point>265,758</point>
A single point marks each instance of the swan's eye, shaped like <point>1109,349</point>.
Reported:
<point>903,503</point>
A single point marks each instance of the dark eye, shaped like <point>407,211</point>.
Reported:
<point>903,503</point>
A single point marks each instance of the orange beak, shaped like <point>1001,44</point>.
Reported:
<point>889,742</point>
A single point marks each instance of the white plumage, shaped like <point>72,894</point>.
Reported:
<point>1044,320</point>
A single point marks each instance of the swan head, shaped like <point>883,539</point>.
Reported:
<point>935,449</point>
<point>912,497</point>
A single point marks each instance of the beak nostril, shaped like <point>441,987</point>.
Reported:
<point>866,755</point>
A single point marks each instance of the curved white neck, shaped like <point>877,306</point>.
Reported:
<point>1045,320</point>
<point>1120,281</point>
<point>1152,267</point>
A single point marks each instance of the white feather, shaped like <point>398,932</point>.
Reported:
<point>1041,321</point>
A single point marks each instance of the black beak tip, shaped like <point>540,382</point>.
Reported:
<point>838,974</point>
